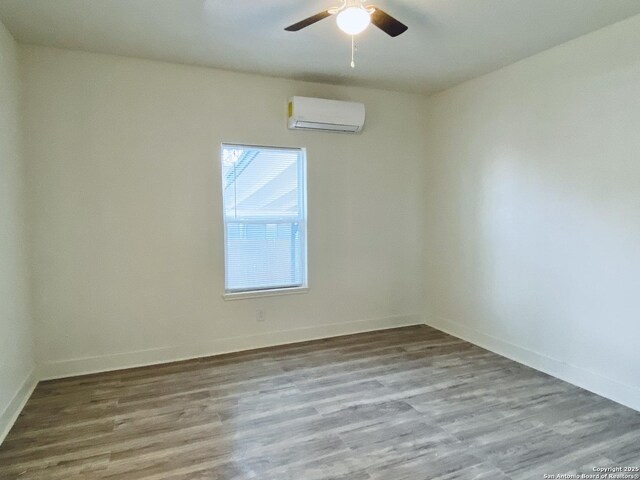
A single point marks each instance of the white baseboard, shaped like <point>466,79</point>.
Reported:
<point>624,394</point>
<point>10,414</point>
<point>81,366</point>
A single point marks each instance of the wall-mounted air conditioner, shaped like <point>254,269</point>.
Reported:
<point>307,113</point>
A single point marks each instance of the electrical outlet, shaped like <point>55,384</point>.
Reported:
<point>261,316</point>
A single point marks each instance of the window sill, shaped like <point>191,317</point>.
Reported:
<point>265,293</point>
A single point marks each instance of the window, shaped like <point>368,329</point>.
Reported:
<point>265,227</point>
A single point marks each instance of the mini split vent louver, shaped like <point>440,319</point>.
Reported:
<point>323,115</point>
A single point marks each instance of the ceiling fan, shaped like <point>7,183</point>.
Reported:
<point>353,17</point>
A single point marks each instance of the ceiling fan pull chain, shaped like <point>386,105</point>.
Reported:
<point>353,51</point>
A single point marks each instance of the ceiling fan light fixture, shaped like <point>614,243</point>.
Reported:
<point>353,20</point>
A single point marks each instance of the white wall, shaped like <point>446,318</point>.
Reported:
<point>16,344</point>
<point>514,221</point>
<point>534,220</point>
<point>125,197</point>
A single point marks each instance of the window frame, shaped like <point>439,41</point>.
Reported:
<point>301,219</point>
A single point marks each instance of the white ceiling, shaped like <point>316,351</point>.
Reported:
<point>448,41</point>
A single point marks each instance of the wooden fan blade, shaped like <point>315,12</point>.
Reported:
<point>308,21</point>
<point>387,23</point>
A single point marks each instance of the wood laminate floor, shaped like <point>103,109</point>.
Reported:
<point>404,404</point>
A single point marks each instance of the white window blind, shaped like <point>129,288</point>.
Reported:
<point>264,208</point>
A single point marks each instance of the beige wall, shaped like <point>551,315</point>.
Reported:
<point>505,210</point>
<point>534,211</point>
<point>127,233</point>
<point>16,352</point>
